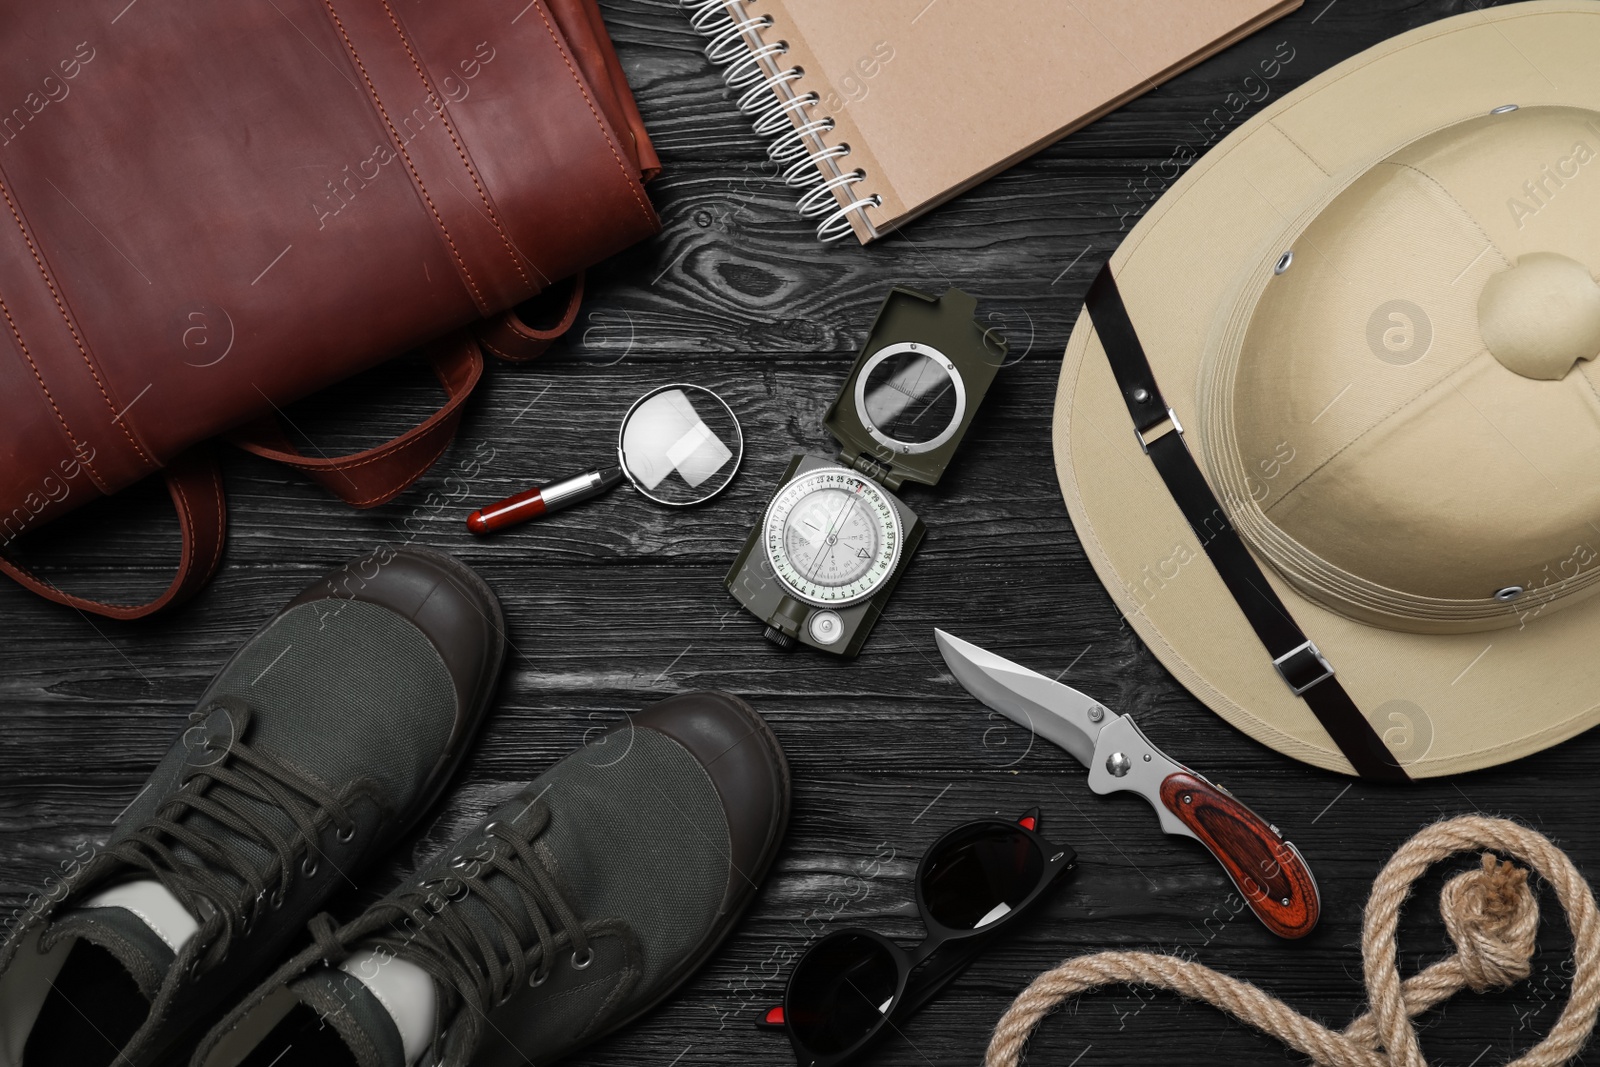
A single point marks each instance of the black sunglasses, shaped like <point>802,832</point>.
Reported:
<point>852,985</point>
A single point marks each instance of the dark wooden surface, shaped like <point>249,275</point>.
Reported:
<point>618,603</point>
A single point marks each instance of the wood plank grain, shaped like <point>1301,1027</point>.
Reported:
<point>617,603</point>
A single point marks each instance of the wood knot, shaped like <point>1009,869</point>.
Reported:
<point>1493,918</point>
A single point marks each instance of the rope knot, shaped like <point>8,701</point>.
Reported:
<point>1491,914</point>
<point>1493,918</point>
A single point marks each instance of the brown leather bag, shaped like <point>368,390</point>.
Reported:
<point>214,209</point>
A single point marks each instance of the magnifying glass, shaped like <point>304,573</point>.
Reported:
<point>678,445</point>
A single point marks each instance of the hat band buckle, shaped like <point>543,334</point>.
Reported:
<point>1303,667</point>
<point>1151,434</point>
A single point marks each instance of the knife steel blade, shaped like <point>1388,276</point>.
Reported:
<point>1267,869</point>
<point>1054,711</point>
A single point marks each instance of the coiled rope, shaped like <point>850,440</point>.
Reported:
<point>1490,912</point>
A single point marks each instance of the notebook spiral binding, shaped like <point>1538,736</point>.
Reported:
<point>768,93</point>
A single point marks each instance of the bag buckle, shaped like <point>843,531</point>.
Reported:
<point>1303,667</point>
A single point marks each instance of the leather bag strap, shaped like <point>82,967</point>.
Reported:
<point>364,479</point>
<point>514,341</point>
<point>194,481</point>
<point>1298,661</point>
<point>368,478</point>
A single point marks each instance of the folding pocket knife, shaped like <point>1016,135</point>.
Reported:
<point>1269,871</point>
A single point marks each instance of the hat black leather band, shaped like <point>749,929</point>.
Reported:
<point>1297,659</point>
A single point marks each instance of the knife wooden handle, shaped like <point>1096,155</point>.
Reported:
<point>1269,872</point>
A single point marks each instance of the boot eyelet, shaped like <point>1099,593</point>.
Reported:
<point>308,867</point>
<point>346,838</point>
<point>581,962</point>
<point>538,980</point>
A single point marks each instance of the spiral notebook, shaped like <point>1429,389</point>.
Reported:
<point>880,110</point>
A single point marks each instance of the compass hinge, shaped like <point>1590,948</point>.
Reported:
<point>877,470</point>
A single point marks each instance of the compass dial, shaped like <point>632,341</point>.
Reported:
<point>832,536</point>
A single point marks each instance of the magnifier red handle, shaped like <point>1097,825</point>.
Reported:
<point>532,503</point>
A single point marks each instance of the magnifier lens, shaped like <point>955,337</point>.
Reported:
<point>910,397</point>
<point>680,445</point>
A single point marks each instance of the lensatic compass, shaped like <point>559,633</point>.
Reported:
<point>834,540</point>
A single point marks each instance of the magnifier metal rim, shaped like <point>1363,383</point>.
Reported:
<point>910,448</point>
<point>738,452</point>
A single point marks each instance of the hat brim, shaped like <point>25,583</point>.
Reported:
<point>1444,704</point>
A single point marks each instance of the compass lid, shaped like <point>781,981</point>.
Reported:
<point>914,389</point>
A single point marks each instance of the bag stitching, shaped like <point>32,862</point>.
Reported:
<point>186,523</point>
<point>51,592</point>
<point>404,441</point>
<point>449,127</point>
<point>180,581</point>
<point>187,576</point>
<point>633,186</point>
<point>569,317</point>
<point>511,325</point>
<point>187,512</point>
<point>66,319</point>
<point>222,520</point>
<point>507,356</point>
<point>400,146</point>
<point>23,345</point>
<point>419,472</point>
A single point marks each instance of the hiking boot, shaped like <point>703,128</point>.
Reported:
<point>323,738</point>
<point>574,907</point>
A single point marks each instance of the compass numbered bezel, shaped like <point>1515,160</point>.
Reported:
<point>879,505</point>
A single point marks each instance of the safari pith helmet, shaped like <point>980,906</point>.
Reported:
<point>1372,310</point>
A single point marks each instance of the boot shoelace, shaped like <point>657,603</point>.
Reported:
<point>481,962</point>
<point>228,793</point>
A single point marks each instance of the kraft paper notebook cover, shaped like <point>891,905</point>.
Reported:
<point>883,109</point>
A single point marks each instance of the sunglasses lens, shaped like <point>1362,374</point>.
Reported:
<point>840,993</point>
<point>978,874</point>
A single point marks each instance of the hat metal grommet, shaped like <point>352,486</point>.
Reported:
<point>1504,109</point>
<point>1283,262</point>
<point>1509,593</point>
